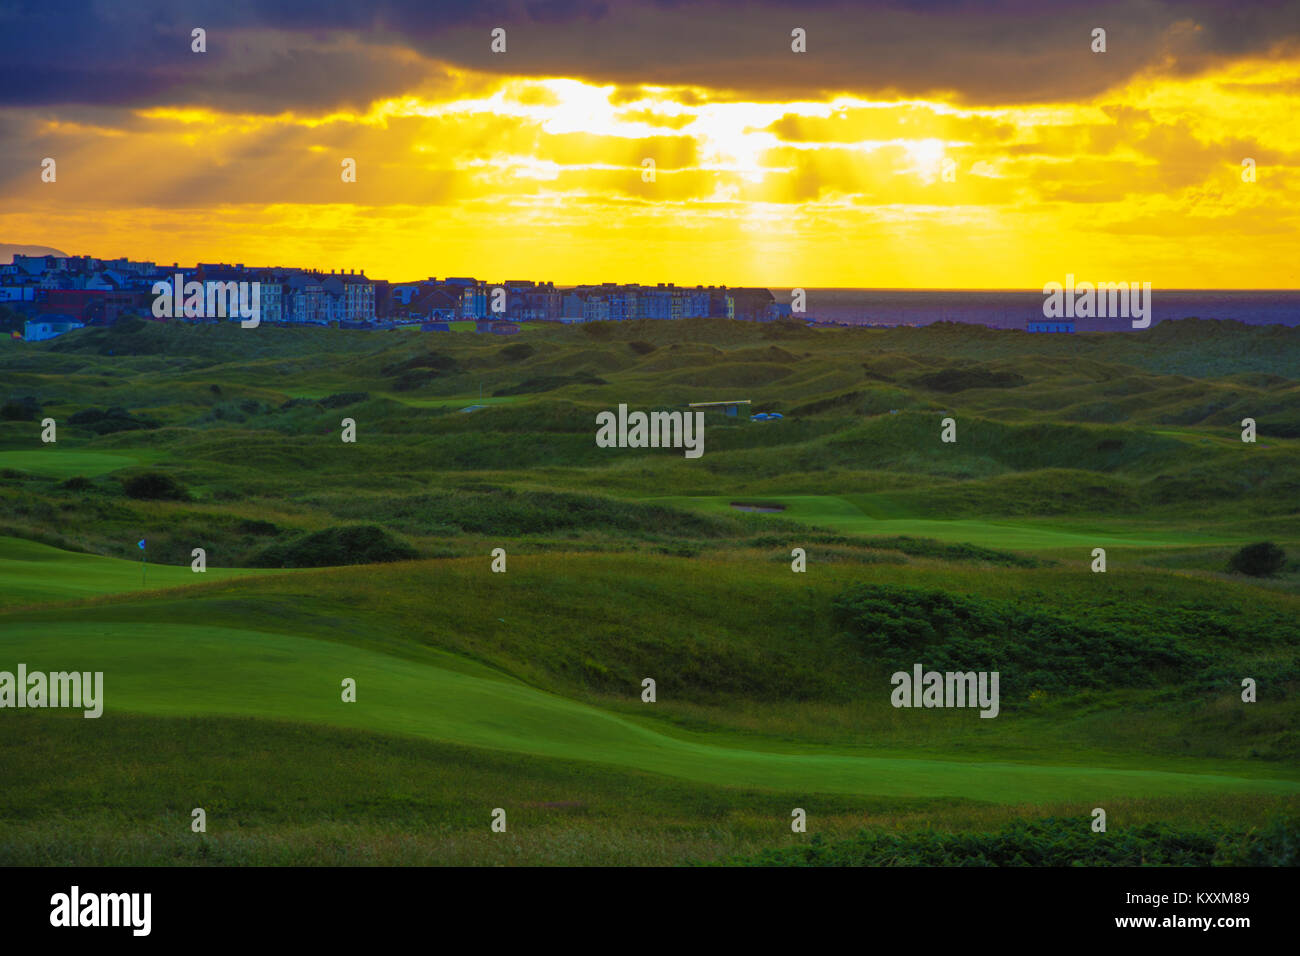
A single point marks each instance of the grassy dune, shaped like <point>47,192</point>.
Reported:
<point>522,689</point>
<point>180,670</point>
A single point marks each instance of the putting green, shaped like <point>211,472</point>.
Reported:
<point>877,516</point>
<point>32,573</point>
<point>186,669</point>
<point>59,462</point>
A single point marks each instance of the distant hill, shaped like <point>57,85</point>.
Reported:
<point>8,250</point>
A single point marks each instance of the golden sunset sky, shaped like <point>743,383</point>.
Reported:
<point>772,168</point>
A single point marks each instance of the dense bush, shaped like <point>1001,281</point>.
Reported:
<point>1031,649</point>
<point>107,421</point>
<point>256,526</point>
<point>300,403</point>
<point>1052,841</point>
<point>333,547</point>
<point>344,399</point>
<point>1277,843</point>
<point>155,485</point>
<point>1258,560</point>
<point>20,410</point>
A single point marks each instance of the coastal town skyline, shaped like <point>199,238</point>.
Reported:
<point>54,294</point>
<point>44,294</point>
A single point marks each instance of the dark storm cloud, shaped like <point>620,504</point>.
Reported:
<point>325,54</point>
<point>260,56</point>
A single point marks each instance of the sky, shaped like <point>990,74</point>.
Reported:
<point>938,144</point>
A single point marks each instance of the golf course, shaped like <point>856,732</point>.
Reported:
<point>390,638</point>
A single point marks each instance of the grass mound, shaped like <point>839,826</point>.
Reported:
<point>546,383</point>
<point>930,548</point>
<point>950,380</point>
<point>106,421</point>
<point>507,512</point>
<point>333,547</point>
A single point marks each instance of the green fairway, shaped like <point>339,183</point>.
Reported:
<point>175,670</point>
<point>59,462</point>
<point>32,573</point>
<point>876,516</point>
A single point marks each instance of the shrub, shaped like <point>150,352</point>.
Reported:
<point>78,483</point>
<point>155,485</point>
<point>899,626</point>
<point>107,421</point>
<point>343,399</point>
<point>1053,841</point>
<point>1258,560</point>
<point>300,403</point>
<point>1277,843</point>
<point>255,526</point>
<point>20,410</point>
<point>640,347</point>
<point>333,547</point>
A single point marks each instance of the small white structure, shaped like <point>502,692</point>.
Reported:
<point>40,331</point>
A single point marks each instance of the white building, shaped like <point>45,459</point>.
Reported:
<point>48,329</point>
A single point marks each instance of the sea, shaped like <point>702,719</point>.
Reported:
<point>1011,309</point>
